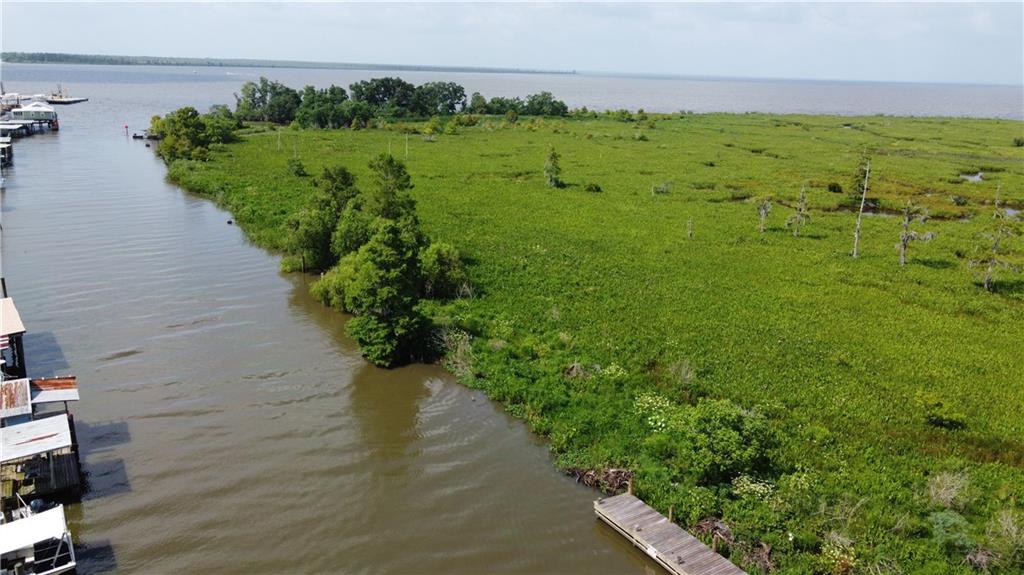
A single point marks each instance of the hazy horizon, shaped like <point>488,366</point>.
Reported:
<point>971,43</point>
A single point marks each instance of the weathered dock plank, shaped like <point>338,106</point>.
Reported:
<point>668,544</point>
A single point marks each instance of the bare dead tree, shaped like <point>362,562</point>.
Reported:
<point>911,213</point>
<point>860,213</point>
<point>764,207</point>
<point>798,219</point>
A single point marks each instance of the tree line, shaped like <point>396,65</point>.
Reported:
<point>389,97</point>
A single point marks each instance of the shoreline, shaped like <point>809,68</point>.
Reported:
<point>556,338</point>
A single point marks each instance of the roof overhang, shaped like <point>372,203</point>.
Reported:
<point>34,437</point>
<point>34,529</point>
<point>10,320</point>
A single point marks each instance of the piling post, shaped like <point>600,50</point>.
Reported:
<point>629,486</point>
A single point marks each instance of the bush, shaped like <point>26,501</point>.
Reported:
<point>593,188</point>
<point>835,187</point>
<point>1019,142</point>
<point>662,188</point>
<point>296,168</point>
<point>442,269</point>
<point>949,529</point>
<point>720,441</point>
<point>939,412</point>
<point>330,288</point>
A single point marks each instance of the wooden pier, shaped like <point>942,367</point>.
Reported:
<point>664,541</point>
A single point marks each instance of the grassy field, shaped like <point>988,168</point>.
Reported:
<point>596,318</point>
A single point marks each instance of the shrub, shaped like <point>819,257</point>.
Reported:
<point>296,168</point>
<point>593,187</point>
<point>1019,142</point>
<point>939,412</point>
<point>835,187</point>
<point>662,188</point>
<point>948,489</point>
<point>949,529</point>
<point>511,116</point>
<point>552,169</point>
<point>720,441</point>
<point>330,288</point>
<point>442,269</point>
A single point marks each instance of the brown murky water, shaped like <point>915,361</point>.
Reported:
<point>227,422</point>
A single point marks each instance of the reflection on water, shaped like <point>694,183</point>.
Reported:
<point>227,423</point>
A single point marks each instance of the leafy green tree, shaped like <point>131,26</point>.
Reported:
<point>444,98</point>
<point>353,230</point>
<point>477,104</point>
<point>311,230</point>
<point>544,104</point>
<point>383,294</point>
<point>340,184</point>
<point>267,101</point>
<point>387,97</point>
<point>389,197</point>
<point>499,105</point>
<point>185,134</point>
<point>309,233</point>
<point>324,108</point>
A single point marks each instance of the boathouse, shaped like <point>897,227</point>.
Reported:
<point>39,458</point>
<point>34,111</point>
<point>12,331</point>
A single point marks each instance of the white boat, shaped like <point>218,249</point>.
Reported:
<point>36,542</point>
<point>63,98</point>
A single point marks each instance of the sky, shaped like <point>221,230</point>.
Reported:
<point>904,42</point>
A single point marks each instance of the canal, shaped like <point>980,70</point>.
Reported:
<point>227,422</point>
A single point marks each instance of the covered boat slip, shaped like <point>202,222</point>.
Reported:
<point>664,541</point>
<point>20,397</point>
<point>39,458</point>
<point>39,543</point>
<point>35,438</point>
<point>11,332</point>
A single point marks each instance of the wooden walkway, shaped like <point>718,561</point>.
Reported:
<point>665,542</point>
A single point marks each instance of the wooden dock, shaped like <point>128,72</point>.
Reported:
<point>664,541</point>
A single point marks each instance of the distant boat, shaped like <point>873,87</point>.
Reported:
<point>63,98</point>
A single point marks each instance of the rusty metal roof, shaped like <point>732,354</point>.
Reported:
<point>54,389</point>
<point>14,398</point>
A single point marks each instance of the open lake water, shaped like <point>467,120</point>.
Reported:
<point>227,423</point>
